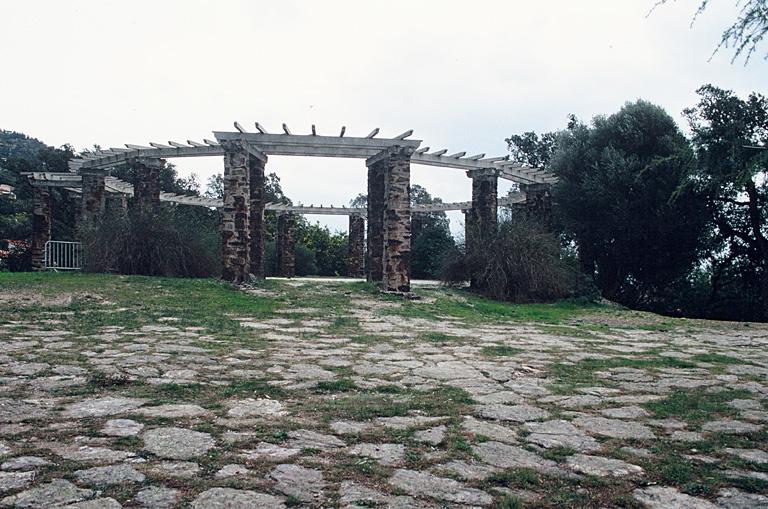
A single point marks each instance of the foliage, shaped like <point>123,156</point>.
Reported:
<point>519,263</point>
<point>624,196</point>
<point>746,33</point>
<point>531,149</point>
<point>431,240</point>
<point>20,153</point>
<point>730,136</point>
<point>330,249</point>
<point>162,243</point>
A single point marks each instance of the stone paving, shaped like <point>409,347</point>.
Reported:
<point>361,406</point>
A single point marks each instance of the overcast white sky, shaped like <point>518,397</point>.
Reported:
<point>463,74</point>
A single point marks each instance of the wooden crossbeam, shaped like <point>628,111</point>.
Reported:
<point>158,145</point>
<point>286,130</point>
<point>439,152</point>
<point>314,131</point>
<point>260,128</point>
<point>422,150</point>
<point>240,128</point>
<point>195,144</point>
<point>403,135</point>
<point>373,133</point>
<point>457,155</point>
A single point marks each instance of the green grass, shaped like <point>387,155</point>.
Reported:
<point>443,401</point>
<point>715,358</point>
<point>697,406</point>
<point>438,337</point>
<point>500,351</point>
<point>341,385</point>
<point>475,309</point>
<point>583,372</point>
<point>134,301</point>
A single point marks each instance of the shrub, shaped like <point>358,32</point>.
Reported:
<point>521,263</point>
<point>174,241</point>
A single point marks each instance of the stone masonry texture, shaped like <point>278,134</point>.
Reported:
<point>376,173</point>
<point>41,225</point>
<point>234,215</point>
<point>93,196</point>
<point>146,186</point>
<point>481,219</point>
<point>397,220</point>
<point>356,249</point>
<point>286,260</point>
<point>258,201</point>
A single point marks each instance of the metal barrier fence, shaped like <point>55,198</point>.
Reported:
<point>63,255</point>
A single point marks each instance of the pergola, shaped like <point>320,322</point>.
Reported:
<point>388,212</point>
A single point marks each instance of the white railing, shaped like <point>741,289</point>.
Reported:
<point>63,255</point>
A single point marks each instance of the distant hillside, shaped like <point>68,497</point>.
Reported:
<point>15,145</point>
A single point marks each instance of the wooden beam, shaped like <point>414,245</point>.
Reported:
<point>439,152</point>
<point>343,130</point>
<point>422,150</point>
<point>260,128</point>
<point>314,132</point>
<point>286,130</point>
<point>404,135</point>
<point>373,133</point>
<point>194,143</point>
<point>240,128</point>
<point>457,155</point>
<point>158,145</point>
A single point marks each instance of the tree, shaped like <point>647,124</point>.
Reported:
<point>18,154</point>
<point>625,198</point>
<point>730,136</point>
<point>746,33</point>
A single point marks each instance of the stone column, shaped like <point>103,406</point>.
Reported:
<point>235,258</point>
<point>481,220</point>
<point>286,260</point>
<point>93,195</point>
<point>397,220</point>
<point>376,172</point>
<point>356,249</point>
<point>256,164</point>
<point>117,203</point>
<point>41,225</point>
<point>146,185</point>
<point>538,203</point>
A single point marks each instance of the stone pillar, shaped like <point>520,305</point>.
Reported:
<point>376,172</point>
<point>146,184</point>
<point>286,259</point>
<point>235,213</point>
<point>41,225</point>
<point>93,195</point>
<point>356,249</point>
<point>117,203</point>
<point>538,203</point>
<point>481,220</point>
<point>397,220</point>
<point>256,163</point>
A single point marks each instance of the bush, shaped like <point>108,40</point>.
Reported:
<point>174,241</point>
<point>520,263</point>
